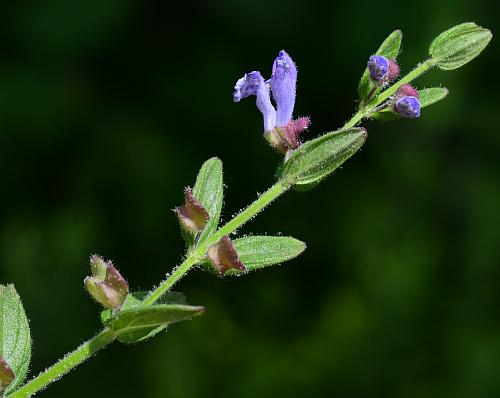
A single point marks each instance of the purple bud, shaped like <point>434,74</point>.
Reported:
<point>193,217</point>
<point>7,376</point>
<point>253,84</point>
<point>408,107</point>
<point>224,256</point>
<point>283,84</point>
<point>382,69</point>
<point>406,90</point>
<point>106,285</point>
<point>378,67</point>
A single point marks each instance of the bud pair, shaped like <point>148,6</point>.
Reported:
<point>106,285</point>
<point>382,69</point>
<point>7,376</point>
<point>406,102</point>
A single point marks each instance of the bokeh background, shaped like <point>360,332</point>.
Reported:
<point>107,110</point>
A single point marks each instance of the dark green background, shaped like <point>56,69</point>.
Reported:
<point>107,110</point>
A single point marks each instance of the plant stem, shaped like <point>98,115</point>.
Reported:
<point>106,336</point>
<point>199,253</point>
<point>63,366</point>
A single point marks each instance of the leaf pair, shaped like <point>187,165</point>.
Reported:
<point>15,340</point>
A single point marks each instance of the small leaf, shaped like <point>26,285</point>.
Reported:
<point>15,340</point>
<point>427,96</point>
<point>318,158</point>
<point>209,190</point>
<point>459,45</point>
<point>262,251</point>
<point>390,49</point>
<point>139,323</point>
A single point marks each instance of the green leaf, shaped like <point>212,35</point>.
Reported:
<point>262,251</point>
<point>390,49</point>
<point>139,323</point>
<point>459,45</point>
<point>209,190</point>
<point>15,340</point>
<point>427,96</point>
<point>318,158</point>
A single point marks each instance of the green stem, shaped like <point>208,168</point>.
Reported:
<point>106,336</point>
<point>199,253</point>
<point>63,366</point>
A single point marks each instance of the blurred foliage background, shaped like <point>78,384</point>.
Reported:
<point>108,109</point>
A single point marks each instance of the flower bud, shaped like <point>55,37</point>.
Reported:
<point>224,256</point>
<point>106,285</point>
<point>7,376</point>
<point>382,69</point>
<point>406,90</point>
<point>193,217</point>
<point>407,106</point>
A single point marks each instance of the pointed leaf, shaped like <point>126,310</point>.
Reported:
<point>390,49</point>
<point>459,45</point>
<point>318,158</point>
<point>209,190</point>
<point>139,323</point>
<point>262,251</point>
<point>15,340</point>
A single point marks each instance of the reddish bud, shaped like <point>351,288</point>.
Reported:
<point>393,70</point>
<point>224,256</point>
<point>193,217</point>
<point>7,376</point>
<point>406,90</point>
<point>106,285</point>
<point>286,137</point>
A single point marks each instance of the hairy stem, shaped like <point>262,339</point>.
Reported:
<point>66,364</point>
<point>106,336</point>
<point>199,253</point>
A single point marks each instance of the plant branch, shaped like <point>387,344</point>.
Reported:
<point>66,364</point>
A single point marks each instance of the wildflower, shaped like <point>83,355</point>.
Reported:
<point>406,90</point>
<point>280,130</point>
<point>382,69</point>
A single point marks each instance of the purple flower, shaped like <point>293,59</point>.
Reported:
<point>253,84</point>
<point>283,83</point>
<point>382,69</point>
<point>408,107</point>
<point>279,127</point>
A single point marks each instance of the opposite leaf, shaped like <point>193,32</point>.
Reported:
<point>318,158</point>
<point>262,251</point>
<point>15,340</point>
<point>209,190</point>
<point>459,45</point>
<point>390,49</point>
<point>135,322</point>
